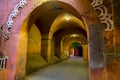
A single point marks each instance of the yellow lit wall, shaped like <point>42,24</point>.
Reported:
<point>22,51</point>
<point>34,58</point>
<point>34,41</point>
<point>85,52</point>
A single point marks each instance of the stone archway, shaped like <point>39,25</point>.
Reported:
<point>61,27</point>
<point>12,44</point>
<point>26,28</point>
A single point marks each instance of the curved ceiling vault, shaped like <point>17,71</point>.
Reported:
<point>74,38</point>
<point>66,21</point>
<point>59,34</point>
<point>73,34</point>
<point>49,16</point>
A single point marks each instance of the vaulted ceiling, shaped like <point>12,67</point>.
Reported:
<point>60,20</point>
<point>55,18</point>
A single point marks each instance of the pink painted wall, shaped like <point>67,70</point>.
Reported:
<point>10,46</point>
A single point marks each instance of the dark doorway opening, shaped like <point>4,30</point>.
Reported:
<point>78,50</point>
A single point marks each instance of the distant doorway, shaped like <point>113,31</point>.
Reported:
<point>76,49</point>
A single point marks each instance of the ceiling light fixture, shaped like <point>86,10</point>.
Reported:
<point>67,17</point>
<point>74,35</point>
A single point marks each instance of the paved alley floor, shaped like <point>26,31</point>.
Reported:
<point>73,69</point>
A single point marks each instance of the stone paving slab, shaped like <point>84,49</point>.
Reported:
<point>72,69</point>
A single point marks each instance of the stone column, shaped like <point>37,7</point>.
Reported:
<point>46,49</point>
<point>57,49</point>
<point>96,44</point>
<point>85,52</point>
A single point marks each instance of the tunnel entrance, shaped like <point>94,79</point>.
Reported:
<point>76,49</point>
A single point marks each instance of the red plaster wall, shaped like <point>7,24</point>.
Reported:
<point>98,74</point>
<point>113,69</point>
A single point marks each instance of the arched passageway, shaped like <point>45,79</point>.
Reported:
<point>55,21</point>
<point>44,41</point>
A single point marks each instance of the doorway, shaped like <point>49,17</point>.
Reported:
<point>76,49</point>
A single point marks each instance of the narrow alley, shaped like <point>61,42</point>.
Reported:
<point>73,69</point>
